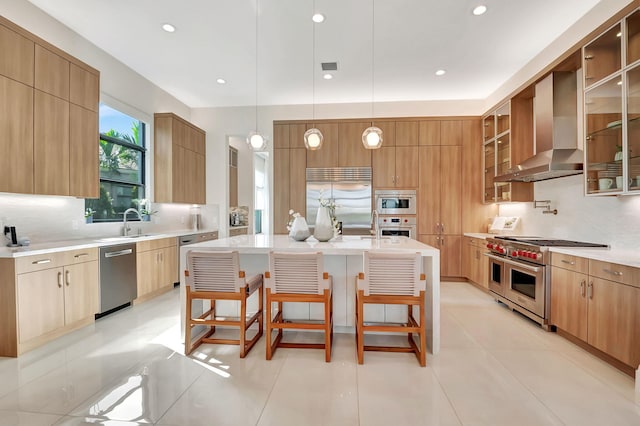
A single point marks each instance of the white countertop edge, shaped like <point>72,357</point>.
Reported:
<point>621,257</point>
<point>347,245</point>
<point>91,242</point>
<point>480,235</point>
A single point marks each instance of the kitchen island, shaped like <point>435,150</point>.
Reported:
<point>343,260</point>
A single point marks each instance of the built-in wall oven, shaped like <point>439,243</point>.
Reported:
<point>395,202</point>
<point>519,272</point>
<point>392,226</point>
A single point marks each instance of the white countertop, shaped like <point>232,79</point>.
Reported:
<point>343,245</point>
<point>480,235</point>
<point>621,257</point>
<point>80,243</point>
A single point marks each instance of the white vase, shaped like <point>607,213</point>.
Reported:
<point>324,225</point>
<point>299,229</point>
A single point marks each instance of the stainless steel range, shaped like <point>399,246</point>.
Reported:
<point>519,272</point>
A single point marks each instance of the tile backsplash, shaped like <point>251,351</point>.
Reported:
<point>52,218</point>
<point>611,220</point>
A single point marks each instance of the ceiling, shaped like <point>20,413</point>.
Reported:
<point>411,40</point>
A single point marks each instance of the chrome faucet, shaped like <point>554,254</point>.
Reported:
<point>125,227</point>
<point>375,223</point>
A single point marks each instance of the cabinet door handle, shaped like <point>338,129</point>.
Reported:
<point>616,273</point>
<point>590,292</point>
<point>437,227</point>
<point>77,256</point>
<point>442,228</point>
<point>67,277</point>
<point>41,262</point>
<point>570,262</point>
<point>583,285</point>
<point>442,239</point>
<point>60,279</point>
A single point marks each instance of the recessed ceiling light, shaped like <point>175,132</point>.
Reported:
<point>168,28</point>
<point>327,76</point>
<point>317,18</point>
<point>479,10</point>
<point>441,72</point>
<point>221,81</point>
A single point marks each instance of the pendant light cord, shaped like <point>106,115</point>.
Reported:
<point>257,7</point>
<point>313,68</point>
<point>373,60</point>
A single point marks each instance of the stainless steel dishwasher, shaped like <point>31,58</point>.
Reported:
<point>118,277</point>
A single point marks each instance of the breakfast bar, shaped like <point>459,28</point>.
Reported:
<point>343,260</point>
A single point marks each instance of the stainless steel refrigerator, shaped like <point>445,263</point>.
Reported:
<point>349,188</point>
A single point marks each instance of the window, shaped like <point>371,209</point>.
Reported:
<point>122,160</point>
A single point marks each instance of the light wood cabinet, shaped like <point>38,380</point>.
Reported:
<point>51,73</point>
<point>388,132</point>
<point>604,313</point>
<point>84,169</point>
<point>407,133</point>
<point>281,176</point>
<point>238,231</point>
<point>327,155</point>
<point>475,265</point>
<point>84,88</point>
<point>179,160</point>
<point>280,136</point>
<point>16,136</point>
<point>395,167</point>
<point>16,56</point>
<point>298,181</point>
<point>440,203</point>
<point>157,263</point>
<point>40,303</point>
<point>42,137</point>
<point>51,145</point>
<point>351,151</point>
<point>46,296</point>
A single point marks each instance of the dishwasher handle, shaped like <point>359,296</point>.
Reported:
<point>118,253</point>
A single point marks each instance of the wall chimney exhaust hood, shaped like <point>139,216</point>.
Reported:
<point>556,138</point>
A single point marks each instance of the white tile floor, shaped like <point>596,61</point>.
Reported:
<point>495,368</point>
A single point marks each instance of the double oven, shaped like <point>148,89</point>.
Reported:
<point>397,212</point>
<point>520,272</point>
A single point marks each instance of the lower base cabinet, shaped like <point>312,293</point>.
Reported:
<point>46,296</point>
<point>157,265</point>
<point>605,313</point>
<point>450,247</point>
<point>475,265</point>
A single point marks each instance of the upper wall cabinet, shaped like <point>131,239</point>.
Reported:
<point>612,109</point>
<point>48,118</point>
<point>179,160</point>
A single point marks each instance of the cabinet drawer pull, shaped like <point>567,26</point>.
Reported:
<point>590,290</point>
<point>60,279</point>
<point>67,277</point>
<point>570,262</point>
<point>41,262</point>
<point>616,273</point>
<point>77,256</point>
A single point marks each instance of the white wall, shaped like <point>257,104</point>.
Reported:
<point>611,220</point>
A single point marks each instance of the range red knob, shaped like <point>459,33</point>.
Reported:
<point>532,255</point>
<point>520,252</point>
<point>489,246</point>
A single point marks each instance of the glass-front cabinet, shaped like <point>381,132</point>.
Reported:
<point>497,154</point>
<point>611,66</point>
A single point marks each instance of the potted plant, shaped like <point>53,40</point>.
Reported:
<point>88,215</point>
<point>144,207</point>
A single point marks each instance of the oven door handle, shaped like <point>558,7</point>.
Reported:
<point>512,263</point>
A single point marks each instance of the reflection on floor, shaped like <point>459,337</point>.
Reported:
<point>495,368</point>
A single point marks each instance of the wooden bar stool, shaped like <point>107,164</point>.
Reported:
<point>299,278</point>
<point>392,278</point>
<point>217,276</point>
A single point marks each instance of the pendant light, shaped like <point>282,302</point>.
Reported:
<point>313,137</point>
<point>372,136</point>
<point>256,141</point>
